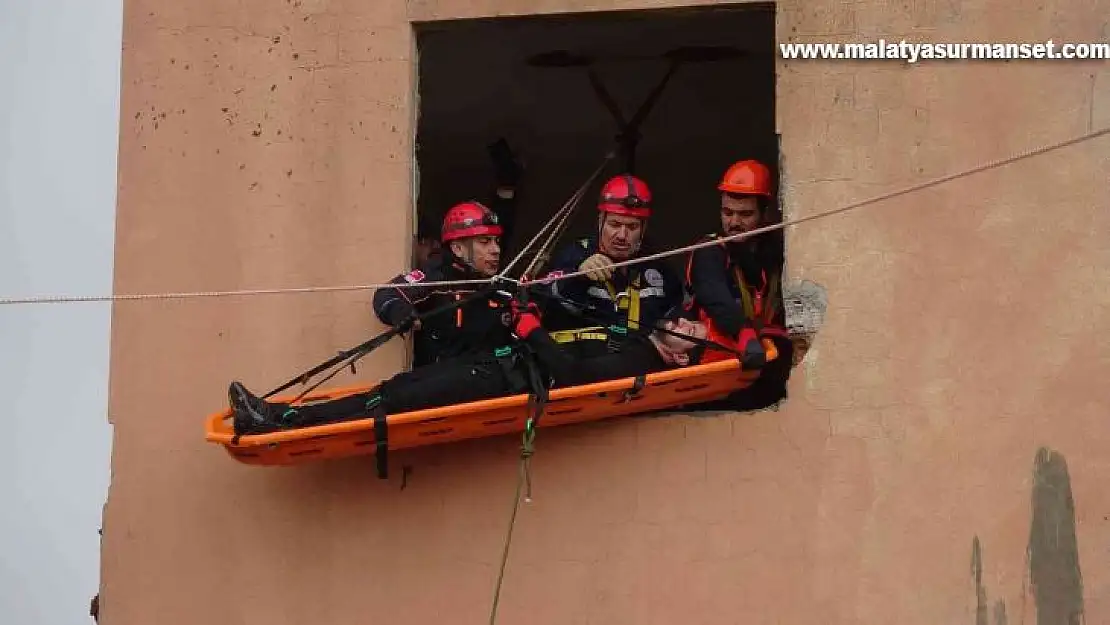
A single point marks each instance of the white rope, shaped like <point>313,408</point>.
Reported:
<point>564,211</point>
<point>681,250</point>
<point>199,294</point>
<point>556,234</point>
<point>821,215</point>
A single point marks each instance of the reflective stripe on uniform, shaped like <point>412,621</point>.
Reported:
<point>596,333</point>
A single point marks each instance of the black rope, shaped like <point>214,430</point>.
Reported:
<point>353,355</point>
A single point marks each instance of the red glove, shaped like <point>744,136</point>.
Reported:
<point>526,318</point>
<point>754,356</point>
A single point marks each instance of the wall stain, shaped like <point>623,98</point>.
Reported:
<point>1053,553</point>
<point>1000,613</point>
<point>977,575</point>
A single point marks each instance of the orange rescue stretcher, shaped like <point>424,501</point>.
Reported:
<point>479,419</point>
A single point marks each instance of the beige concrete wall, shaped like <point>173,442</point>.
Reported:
<point>966,331</point>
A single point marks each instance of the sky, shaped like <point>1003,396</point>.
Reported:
<point>59,120</point>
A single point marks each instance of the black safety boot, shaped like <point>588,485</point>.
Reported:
<point>251,414</point>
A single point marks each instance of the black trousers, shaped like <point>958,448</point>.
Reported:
<point>437,384</point>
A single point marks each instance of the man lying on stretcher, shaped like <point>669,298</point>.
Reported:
<point>476,377</point>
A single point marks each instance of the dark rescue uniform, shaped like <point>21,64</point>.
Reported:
<point>737,286</point>
<point>479,325</point>
<point>476,325</point>
<point>634,297</point>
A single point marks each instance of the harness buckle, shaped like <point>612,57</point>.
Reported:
<point>612,342</point>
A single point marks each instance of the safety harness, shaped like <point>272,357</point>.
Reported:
<point>627,306</point>
<point>763,306</point>
<point>591,313</point>
<point>759,308</point>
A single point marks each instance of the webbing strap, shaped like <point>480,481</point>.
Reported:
<point>538,397</point>
<point>763,314</point>
<point>637,386</point>
<point>628,300</point>
<point>381,439</point>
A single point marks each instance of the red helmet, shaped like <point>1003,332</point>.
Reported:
<point>469,219</point>
<point>626,195</point>
<point>748,178</point>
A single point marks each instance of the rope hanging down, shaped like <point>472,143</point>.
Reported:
<point>522,480</point>
<point>364,287</point>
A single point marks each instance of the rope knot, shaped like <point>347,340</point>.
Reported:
<point>527,443</point>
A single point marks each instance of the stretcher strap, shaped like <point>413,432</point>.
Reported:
<point>637,386</point>
<point>538,391</point>
<point>381,439</point>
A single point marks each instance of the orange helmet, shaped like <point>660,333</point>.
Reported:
<point>626,195</point>
<point>469,219</point>
<point>747,177</point>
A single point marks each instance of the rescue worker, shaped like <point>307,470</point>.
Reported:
<point>471,250</point>
<point>634,296</point>
<point>476,376</point>
<point>735,287</point>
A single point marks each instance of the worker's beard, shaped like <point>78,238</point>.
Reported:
<point>741,229</point>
